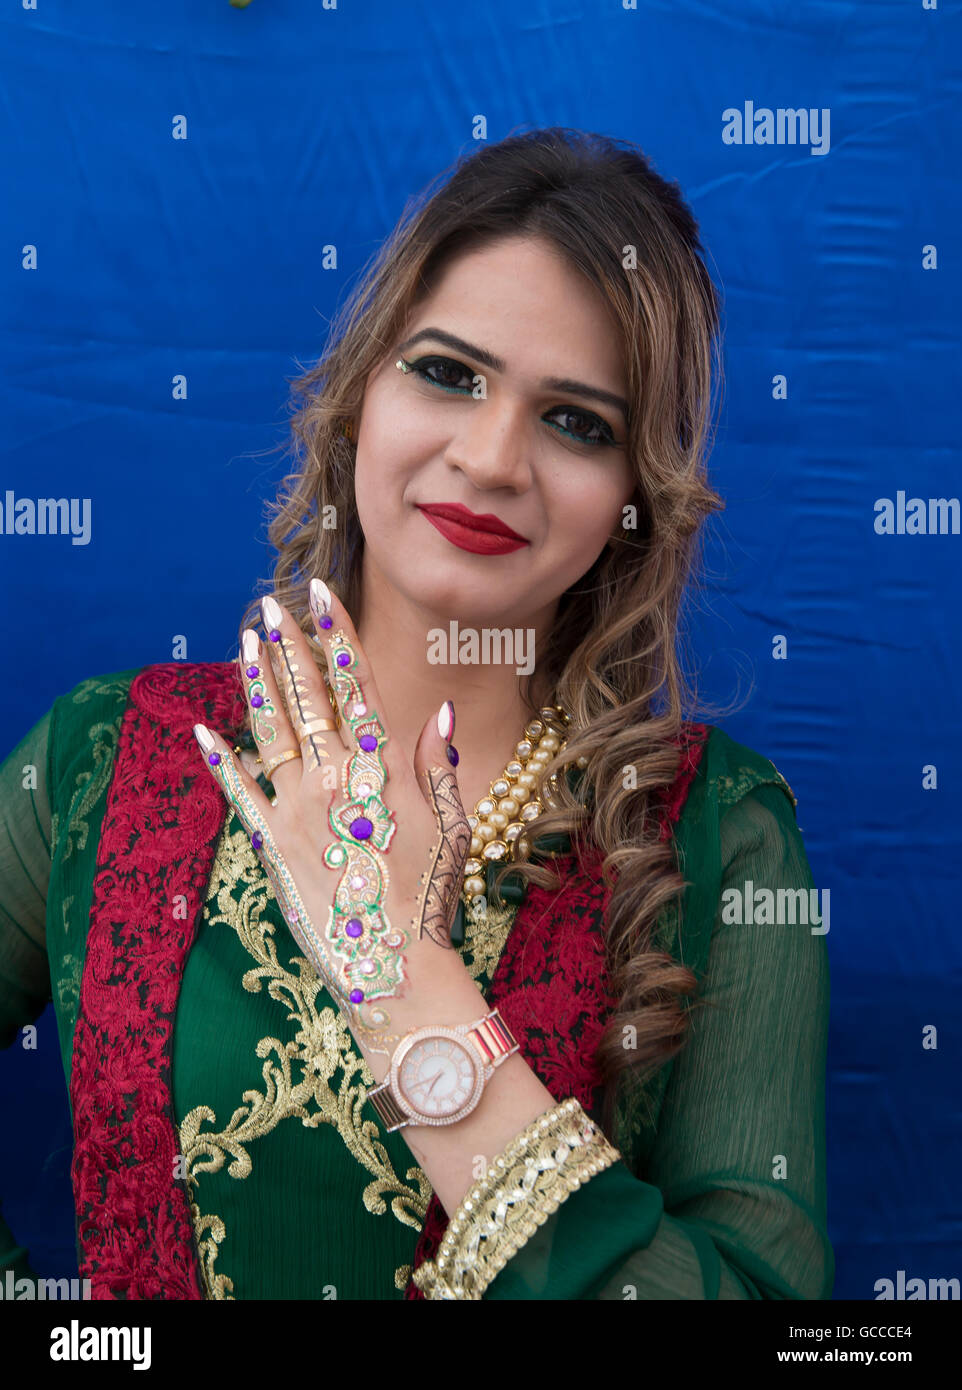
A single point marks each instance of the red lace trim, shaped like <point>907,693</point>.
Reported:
<point>160,831</point>
<point>551,983</point>
<point>691,740</point>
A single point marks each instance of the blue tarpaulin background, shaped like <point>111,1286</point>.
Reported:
<point>309,126</point>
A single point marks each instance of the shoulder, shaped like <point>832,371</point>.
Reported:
<point>103,690</point>
<point>731,769</point>
<point>170,694</point>
<point>82,715</point>
<point>175,679</point>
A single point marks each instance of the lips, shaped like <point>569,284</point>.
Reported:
<point>453,511</point>
<point>479,535</point>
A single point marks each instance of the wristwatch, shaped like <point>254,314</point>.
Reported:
<point>437,1073</point>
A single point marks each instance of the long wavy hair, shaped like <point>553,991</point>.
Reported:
<point>614,656</point>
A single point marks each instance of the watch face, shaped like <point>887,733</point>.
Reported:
<point>438,1077</point>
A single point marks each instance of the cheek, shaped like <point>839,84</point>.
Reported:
<point>381,477</point>
<point>373,498</point>
<point>583,515</point>
<point>369,491</point>
<point>373,457</point>
<point>387,453</point>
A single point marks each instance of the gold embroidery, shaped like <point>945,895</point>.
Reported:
<point>217,1286</point>
<point>485,932</point>
<point>321,1046</point>
<point>68,980</point>
<point>537,1171</point>
<point>88,788</point>
<point>732,789</point>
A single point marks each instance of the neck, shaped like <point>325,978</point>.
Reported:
<point>489,705</point>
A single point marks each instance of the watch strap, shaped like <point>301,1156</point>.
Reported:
<point>493,1039</point>
<point>382,1098</point>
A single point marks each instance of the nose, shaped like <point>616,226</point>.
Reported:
<point>493,446</point>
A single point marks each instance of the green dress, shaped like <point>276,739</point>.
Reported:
<point>298,1193</point>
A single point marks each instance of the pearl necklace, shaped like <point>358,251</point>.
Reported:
<point>511,804</point>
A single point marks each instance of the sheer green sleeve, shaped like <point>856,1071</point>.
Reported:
<point>25,836</point>
<point>732,1203</point>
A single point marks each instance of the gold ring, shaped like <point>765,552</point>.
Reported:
<point>274,762</point>
<point>314,726</point>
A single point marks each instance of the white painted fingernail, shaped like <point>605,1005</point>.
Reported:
<point>203,736</point>
<point>446,721</point>
<point>271,613</point>
<point>320,596</point>
<point>250,645</point>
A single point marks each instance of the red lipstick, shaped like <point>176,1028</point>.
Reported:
<point>481,535</point>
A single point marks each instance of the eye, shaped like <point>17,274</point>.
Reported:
<point>592,422</point>
<point>589,429</point>
<point>444,364</point>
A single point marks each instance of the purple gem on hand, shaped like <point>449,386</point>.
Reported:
<point>368,742</point>
<point>275,636</point>
<point>326,622</point>
<point>454,756</point>
<point>257,839</point>
<point>354,927</point>
<point>356,996</point>
<point>343,658</point>
<point>214,759</point>
<point>361,828</point>
<point>253,671</point>
<point>257,701</point>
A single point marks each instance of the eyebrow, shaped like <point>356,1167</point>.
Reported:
<point>497,364</point>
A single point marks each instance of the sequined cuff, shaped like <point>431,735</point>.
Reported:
<point>528,1181</point>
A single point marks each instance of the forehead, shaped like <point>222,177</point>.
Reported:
<point>521,300</point>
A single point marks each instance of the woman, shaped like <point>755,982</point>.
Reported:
<point>336,1021</point>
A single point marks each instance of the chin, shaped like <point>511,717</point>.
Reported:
<point>470,602</point>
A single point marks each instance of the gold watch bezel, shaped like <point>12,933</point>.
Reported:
<point>416,1116</point>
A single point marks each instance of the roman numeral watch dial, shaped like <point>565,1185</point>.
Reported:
<point>437,1077</point>
<point>437,1073</point>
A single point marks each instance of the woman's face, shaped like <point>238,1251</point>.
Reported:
<point>510,446</point>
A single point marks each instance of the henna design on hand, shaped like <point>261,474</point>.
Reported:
<point>299,701</point>
<point>439,901</point>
